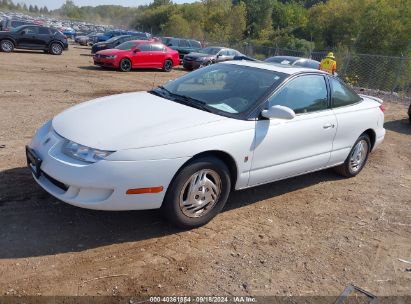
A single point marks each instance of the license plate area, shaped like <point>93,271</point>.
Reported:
<point>33,162</point>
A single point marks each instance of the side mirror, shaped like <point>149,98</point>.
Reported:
<point>23,33</point>
<point>279,112</point>
<point>136,51</point>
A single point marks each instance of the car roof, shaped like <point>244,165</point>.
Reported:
<point>292,59</point>
<point>286,69</point>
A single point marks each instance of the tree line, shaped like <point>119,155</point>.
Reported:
<point>363,26</point>
<point>9,5</point>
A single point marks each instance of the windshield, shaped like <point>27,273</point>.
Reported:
<point>223,88</point>
<point>211,50</point>
<point>126,45</point>
<point>111,40</point>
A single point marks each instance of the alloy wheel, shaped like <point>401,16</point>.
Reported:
<point>358,156</point>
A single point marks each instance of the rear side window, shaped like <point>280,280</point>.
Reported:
<point>145,47</point>
<point>44,31</point>
<point>308,64</point>
<point>195,44</point>
<point>304,94</point>
<point>183,43</point>
<point>342,95</point>
<point>157,47</point>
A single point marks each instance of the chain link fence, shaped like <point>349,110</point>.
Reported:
<point>385,74</point>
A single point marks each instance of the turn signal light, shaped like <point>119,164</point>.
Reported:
<point>145,190</point>
<point>382,108</point>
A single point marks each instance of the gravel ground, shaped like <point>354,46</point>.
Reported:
<point>309,235</point>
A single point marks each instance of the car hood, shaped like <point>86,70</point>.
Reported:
<point>199,55</point>
<point>136,120</point>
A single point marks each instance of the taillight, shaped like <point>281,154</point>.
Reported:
<point>382,108</point>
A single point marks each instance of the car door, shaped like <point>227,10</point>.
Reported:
<point>143,58</point>
<point>44,37</point>
<point>27,37</point>
<point>158,54</point>
<point>352,119</point>
<point>285,148</point>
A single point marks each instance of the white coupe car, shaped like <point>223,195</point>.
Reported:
<point>184,146</point>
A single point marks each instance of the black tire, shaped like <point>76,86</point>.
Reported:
<point>409,114</point>
<point>125,65</point>
<point>346,169</point>
<point>56,48</point>
<point>171,206</point>
<point>7,46</point>
<point>168,65</point>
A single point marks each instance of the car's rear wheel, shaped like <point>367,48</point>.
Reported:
<point>357,158</point>
<point>7,46</point>
<point>125,65</point>
<point>197,193</point>
<point>56,48</point>
<point>168,65</point>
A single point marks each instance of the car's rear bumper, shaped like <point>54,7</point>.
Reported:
<point>380,135</point>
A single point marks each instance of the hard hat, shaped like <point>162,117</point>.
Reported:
<point>331,55</point>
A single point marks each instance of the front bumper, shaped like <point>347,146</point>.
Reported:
<point>104,62</point>
<point>102,185</point>
<point>191,65</point>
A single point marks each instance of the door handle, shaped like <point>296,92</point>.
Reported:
<point>328,125</point>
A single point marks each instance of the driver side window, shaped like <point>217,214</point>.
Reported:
<point>304,94</point>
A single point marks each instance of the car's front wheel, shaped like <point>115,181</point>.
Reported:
<point>125,65</point>
<point>7,46</point>
<point>357,158</point>
<point>56,48</point>
<point>197,193</point>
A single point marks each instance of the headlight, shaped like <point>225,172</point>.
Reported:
<point>111,57</point>
<point>200,59</point>
<point>90,155</point>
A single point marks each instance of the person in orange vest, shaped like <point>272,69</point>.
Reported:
<point>328,64</point>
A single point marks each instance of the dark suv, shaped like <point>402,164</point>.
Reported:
<point>32,37</point>
<point>182,46</point>
<point>9,24</point>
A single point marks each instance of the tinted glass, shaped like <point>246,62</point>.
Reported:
<point>303,94</point>
<point>195,44</point>
<point>308,64</point>
<point>227,88</point>
<point>341,95</point>
<point>145,47</point>
<point>31,30</point>
<point>280,60</point>
<point>44,31</point>
<point>157,47</point>
<point>183,43</point>
<point>211,50</point>
<point>126,45</point>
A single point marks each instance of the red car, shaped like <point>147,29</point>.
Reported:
<point>137,54</point>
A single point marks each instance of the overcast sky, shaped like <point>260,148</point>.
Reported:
<point>53,4</point>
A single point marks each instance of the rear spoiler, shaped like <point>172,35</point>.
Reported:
<point>379,100</point>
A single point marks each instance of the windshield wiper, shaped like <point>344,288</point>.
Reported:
<point>186,100</point>
<point>191,102</point>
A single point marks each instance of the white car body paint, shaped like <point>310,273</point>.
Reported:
<point>154,137</point>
